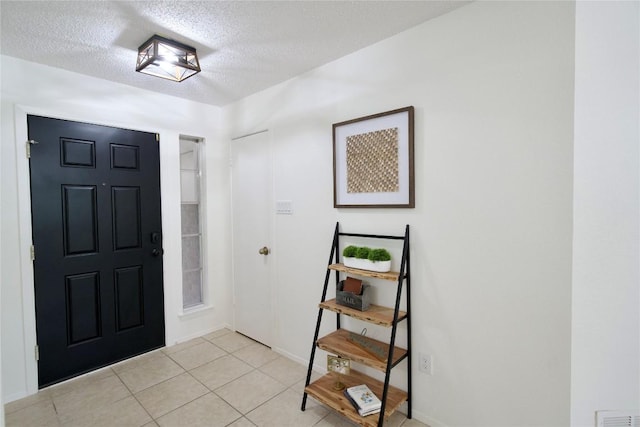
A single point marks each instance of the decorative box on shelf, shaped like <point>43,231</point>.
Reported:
<point>359,302</point>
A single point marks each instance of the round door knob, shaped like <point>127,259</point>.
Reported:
<point>157,252</point>
<point>264,251</point>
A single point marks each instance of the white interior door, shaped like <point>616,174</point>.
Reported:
<point>251,194</point>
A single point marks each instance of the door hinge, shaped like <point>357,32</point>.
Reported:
<point>37,352</point>
<point>157,137</point>
<point>29,144</point>
<point>32,251</point>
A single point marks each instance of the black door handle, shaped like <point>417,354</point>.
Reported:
<point>157,252</point>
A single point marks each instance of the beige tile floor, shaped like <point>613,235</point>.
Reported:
<point>220,379</point>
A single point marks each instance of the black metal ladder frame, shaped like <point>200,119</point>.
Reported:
<point>405,275</point>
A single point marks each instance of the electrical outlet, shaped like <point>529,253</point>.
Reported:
<point>425,363</point>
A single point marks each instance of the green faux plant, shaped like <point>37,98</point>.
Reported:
<point>363,252</point>
<point>379,255</point>
<point>350,251</point>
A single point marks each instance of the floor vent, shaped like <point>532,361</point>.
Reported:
<point>617,419</point>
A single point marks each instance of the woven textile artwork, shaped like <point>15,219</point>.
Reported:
<point>372,162</point>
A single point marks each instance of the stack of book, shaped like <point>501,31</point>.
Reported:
<point>363,399</point>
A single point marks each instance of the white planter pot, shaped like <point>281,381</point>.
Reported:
<point>365,264</point>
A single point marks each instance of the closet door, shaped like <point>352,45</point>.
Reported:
<point>252,220</point>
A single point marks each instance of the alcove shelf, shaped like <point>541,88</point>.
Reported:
<point>379,355</point>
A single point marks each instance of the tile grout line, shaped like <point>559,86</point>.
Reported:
<point>192,376</point>
<point>136,398</point>
<point>184,404</point>
<point>168,379</point>
<point>76,416</point>
<point>265,402</point>
<point>219,397</point>
<point>158,383</point>
<point>229,382</point>
<point>202,364</point>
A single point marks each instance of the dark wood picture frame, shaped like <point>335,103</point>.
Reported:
<point>373,161</point>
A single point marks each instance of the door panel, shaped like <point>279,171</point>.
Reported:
<point>251,180</point>
<point>129,298</point>
<point>95,201</point>
<point>80,219</point>
<point>125,203</point>
<point>83,307</point>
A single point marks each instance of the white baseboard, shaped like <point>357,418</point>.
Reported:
<point>290,356</point>
<point>14,396</point>
<point>424,418</point>
<point>199,334</point>
<point>321,369</point>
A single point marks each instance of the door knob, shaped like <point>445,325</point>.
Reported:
<point>157,252</point>
<point>264,251</point>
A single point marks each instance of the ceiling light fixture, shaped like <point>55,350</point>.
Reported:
<point>167,59</point>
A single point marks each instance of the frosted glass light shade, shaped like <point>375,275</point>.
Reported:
<point>167,59</point>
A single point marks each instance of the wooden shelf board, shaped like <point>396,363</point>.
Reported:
<point>322,390</point>
<point>338,343</point>
<point>376,314</point>
<point>389,275</point>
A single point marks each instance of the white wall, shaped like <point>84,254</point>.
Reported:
<point>492,84</point>
<point>606,257</point>
<point>32,88</point>
<point>513,334</point>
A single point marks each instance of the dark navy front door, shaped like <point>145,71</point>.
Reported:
<point>95,205</point>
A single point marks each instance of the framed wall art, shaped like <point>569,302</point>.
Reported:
<point>373,161</point>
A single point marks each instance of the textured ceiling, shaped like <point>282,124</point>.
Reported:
<point>243,46</point>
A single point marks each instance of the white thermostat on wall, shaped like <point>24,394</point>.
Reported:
<point>284,207</point>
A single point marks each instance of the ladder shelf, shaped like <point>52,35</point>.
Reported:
<point>379,355</point>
